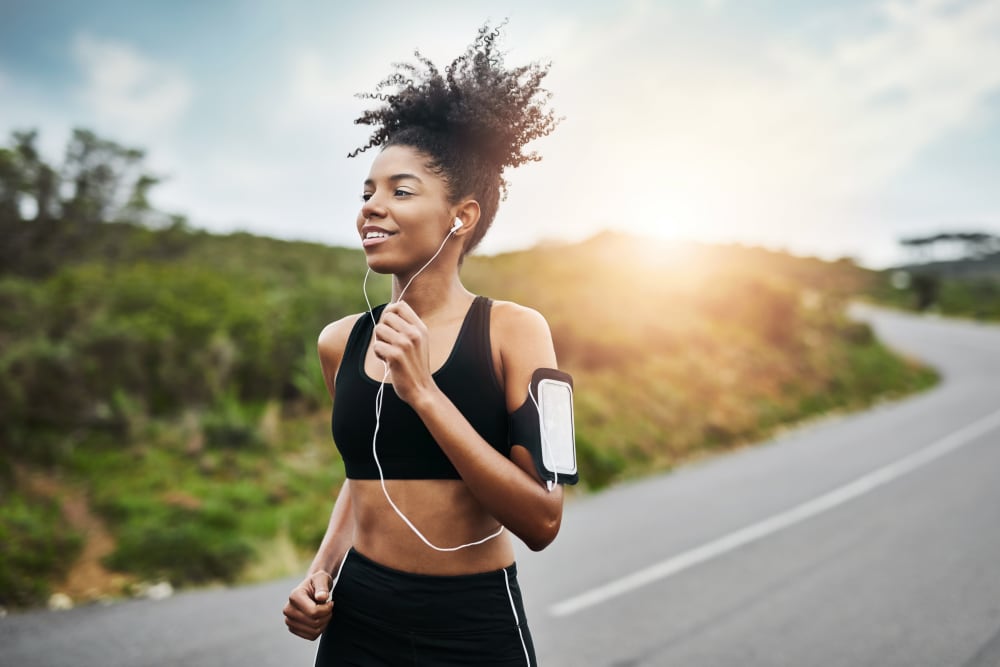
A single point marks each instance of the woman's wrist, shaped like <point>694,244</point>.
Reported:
<point>428,400</point>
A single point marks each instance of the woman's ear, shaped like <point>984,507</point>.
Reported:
<point>467,212</point>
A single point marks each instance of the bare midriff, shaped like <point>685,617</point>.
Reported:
<point>443,510</point>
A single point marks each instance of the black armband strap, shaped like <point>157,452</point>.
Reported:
<point>544,426</point>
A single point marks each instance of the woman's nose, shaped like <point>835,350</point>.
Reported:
<point>372,208</point>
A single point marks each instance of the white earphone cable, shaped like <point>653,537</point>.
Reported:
<point>378,414</point>
<point>549,484</point>
<point>378,417</point>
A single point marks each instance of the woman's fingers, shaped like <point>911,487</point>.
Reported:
<point>304,631</point>
<point>303,616</point>
<point>401,342</point>
<point>322,582</point>
<point>396,337</point>
<point>405,328</point>
<point>402,310</point>
<point>306,628</point>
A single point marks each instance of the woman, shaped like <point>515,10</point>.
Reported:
<point>417,551</point>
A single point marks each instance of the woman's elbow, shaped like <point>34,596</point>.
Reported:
<point>543,534</point>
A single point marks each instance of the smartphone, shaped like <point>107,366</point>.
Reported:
<point>555,408</point>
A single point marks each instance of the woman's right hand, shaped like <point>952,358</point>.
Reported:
<point>309,606</point>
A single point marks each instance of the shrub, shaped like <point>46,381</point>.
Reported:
<point>37,548</point>
<point>598,467</point>
<point>231,425</point>
<point>183,545</point>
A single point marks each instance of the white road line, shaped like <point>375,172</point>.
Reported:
<point>773,524</point>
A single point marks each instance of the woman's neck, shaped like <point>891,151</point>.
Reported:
<point>430,292</point>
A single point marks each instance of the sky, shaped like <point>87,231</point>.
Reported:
<point>821,128</point>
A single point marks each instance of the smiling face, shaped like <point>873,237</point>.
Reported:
<point>406,213</point>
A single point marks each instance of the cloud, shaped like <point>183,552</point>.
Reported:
<point>712,119</point>
<point>695,127</point>
<point>315,89</point>
<point>128,92</point>
<point>872,103</point>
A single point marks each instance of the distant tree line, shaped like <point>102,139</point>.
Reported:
<point>976,245</point>
<point>48,211</point>
<point>954,273</point>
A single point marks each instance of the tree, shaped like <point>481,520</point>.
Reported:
<point>24,178</point>
<point>99,181</point>
<point>104,175</point>
<point>974,245</point>
<point>47,212</point>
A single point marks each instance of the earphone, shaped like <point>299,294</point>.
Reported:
<point>378,407</point>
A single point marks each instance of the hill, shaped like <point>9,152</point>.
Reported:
<point>162,413</point>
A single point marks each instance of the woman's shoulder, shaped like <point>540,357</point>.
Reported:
<point>333,337</point>
<point>508,314</point>
<point>516,327</point>
<point>332,344</point>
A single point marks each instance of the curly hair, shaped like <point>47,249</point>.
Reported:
<point>472,122</point>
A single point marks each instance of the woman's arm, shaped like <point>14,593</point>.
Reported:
<point>509,489</point>
<point>340,530</point>
<point>309,606</point>
<point>308,609</point>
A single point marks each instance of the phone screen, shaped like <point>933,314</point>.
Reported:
<point>555,400</point>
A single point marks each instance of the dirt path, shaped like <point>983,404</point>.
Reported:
<point>87,579</point>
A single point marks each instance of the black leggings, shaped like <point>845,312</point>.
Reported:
<point>383,616</point>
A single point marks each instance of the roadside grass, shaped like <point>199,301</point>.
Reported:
<point>189,509</point>
<point>680,352</point>
<point>184,403</point>
<point>38,545</point>
<point>647,425</point>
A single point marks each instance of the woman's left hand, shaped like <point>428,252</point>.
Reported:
<point>401,341</point>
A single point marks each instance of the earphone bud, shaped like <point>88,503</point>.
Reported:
<point>457,225</point>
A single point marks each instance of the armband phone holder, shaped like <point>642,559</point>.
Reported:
<point>544,426</point>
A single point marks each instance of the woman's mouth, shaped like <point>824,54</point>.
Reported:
<point>374,237</point>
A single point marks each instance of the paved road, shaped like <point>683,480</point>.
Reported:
<point>872,539</point>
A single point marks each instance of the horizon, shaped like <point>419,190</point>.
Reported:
<point>544,243</point>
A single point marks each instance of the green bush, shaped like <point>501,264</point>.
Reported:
<point>598,467</point>
<point>36,548</point>
<point>308,378</point>
<point>143,374</point>
<point>183,545</point>
<point>307,522</point>
<point>231,424</point>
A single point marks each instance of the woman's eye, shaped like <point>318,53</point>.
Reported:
<point>397,193</point>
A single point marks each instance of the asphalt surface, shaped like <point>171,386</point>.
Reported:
<point>870,539</point>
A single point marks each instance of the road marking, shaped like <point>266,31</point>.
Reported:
<point>773,524</point>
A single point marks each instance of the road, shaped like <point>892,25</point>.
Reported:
<point>869,539</point>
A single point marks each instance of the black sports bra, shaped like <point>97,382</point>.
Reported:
<point>406,449</point>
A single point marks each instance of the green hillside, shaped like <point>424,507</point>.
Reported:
<point>162,414</point>
<point>176,401</point>
<point>681,349</point>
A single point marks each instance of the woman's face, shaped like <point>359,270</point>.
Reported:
<point>406,214</point>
